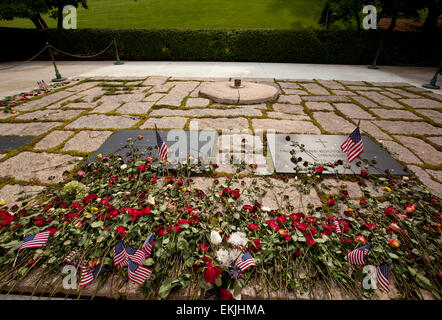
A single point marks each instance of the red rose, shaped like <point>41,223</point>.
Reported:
<point>52,231</point>
<point>288,238</point>
<point>390,211</point>
<point>169,179</point>
<point>225,294</point>
<point>331,202</point>
<point>362,201</point>
<point>309,239</point>
<point>253,226</point>
<point>211,273</point>
<point>297,252</point>
<point>215,166</point>
<point>361,239</point>
<point>364,173</point>
<point>114,178</point>
<point>205,259</point>
<point>203,247</point>
<point>255,246</point>
<point>248,207</point>
<point>180,182</point>
<point>319,169</point>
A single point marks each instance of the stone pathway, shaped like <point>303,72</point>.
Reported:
<point>72,123</point>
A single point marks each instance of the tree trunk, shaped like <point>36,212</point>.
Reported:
<point>432,17</point>
<point>36,22</point>
<point>60,16</point>
<point>392,24</point>
<point>42,22</point>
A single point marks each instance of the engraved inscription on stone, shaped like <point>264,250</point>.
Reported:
<point>324,149</point>
<point>181,144</point>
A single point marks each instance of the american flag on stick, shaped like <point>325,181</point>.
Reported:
<point>120,255</point>
<point>35,240</point>
<point>353,146</point>
<point>383,276</point>
<point>69,258</point>
<point>337,227</point>
<point>135,255</point>
<point>89,275</point>
<point>162,147</point>
<point>147,246</point>
<point>137,273</point>
<point>246,261</point>
<point>357,256</point>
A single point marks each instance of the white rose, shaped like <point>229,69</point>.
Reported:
<point>215,238</point>
<point>123,167</point>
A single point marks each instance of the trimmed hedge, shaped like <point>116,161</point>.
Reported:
<point>305,46</point>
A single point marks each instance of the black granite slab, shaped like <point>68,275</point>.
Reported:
<point>13,142</point>
<point>322,149</point>
<point>181,144</point>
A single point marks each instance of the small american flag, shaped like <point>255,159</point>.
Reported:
<point>162,147</point>
<point>35,240</point>
<point>337,227</point>
<point>246,261</point>
<point>120,255</point>
<point>69,257</point>
<point>357,256</point>
<point>137,273</point>
<point>40,84</point>
<point>353,146</point>
<point>383,276</point>
<point>88,275</point>
<point>147,246</point>
<point>135,255</point>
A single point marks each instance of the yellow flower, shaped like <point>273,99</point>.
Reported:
<point>99,156</point>
<point>350,209</point>
<point>86,213</point>
<point>197,188</point>
<point>94,209</point>
<point>386,189</point>
<point>427,191</point>
<point>184,189</point>
<point>2,203</point>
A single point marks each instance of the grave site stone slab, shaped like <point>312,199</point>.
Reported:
<point>322,149</point>
<point>181,144</point>
<point>13,142</point>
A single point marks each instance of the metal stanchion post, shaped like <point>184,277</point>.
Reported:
<point>116,52</point>
<point>432,84</point>
<point>58,77</point>
<point>373,65</point>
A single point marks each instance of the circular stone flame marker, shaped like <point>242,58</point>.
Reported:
<point>247,93</point>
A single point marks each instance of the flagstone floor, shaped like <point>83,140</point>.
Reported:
<point>72,123</point>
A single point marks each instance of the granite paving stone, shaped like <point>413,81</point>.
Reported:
<point>326,98</point>
<point>154,80</point>
<point>406,127</point>
<point>281,115</point>
<point>177,93</point>
<point>391,95</point>
<point>106,107</point>
<point>87,141</point>
<point>352,83</point>
<point>247,112</point>
<point>43,102</point>
<point>197,102</point>
<point>52,140</point>
<point>289,85</point>
<point>381,99</point>
<point>292,99</point>
<point>365,102</point>
<point>220,123</point>
<point>154,97</point>
<point>98,121</point>
<point>403,92</point>
<point>434,95</point>
<point>12,192</point>
<point>391,84</point>
<point>375,132</point>
<point>436,140</point>
<point>44,167</point>
<point>319,106</point>
<point>395,114</point>
<point>364,88</point>
<point>333,123</point>
<point>425,178</point>
<point>285,126</point>
<point>436,174</point>
<point>331,84</point>
<point>422,103</point>
<point>353,111</point>
<point>164,123</point>
<point>288,108</point>
<point>92,94</point>
<point>401,153</point>
<point>80,105</point>
<point>422,149</point>
<point>56,114</point>
<point>295,91</point>
<point>27,129</point>
<point>135,108</point>
<point>315,89</point>
<point>343,93</point>
<point>432,114</point>
<point>162,88</point>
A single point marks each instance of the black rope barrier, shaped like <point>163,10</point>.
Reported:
<point>83,57</point>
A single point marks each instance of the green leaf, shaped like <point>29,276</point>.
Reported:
<point>393,256</point>
<point>97,224</point>
<point>412,271</point>
<point>13,245</point>
<point>423,281</point>
<point>148,262</point>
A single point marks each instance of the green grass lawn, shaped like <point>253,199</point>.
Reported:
<point>192,14</point>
